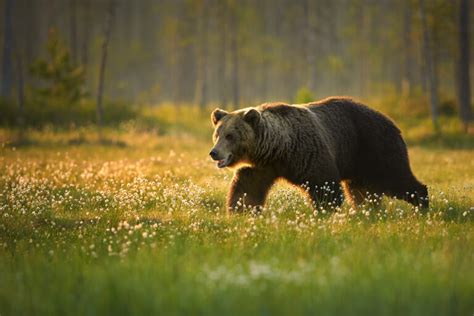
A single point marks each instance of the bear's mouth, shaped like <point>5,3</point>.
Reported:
<point>224,162</point>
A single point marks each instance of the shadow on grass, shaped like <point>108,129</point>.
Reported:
<point>102,142</point>
<point>76,141</point>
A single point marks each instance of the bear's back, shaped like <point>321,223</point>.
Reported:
<point>361,132</point>
<point>377,140</point>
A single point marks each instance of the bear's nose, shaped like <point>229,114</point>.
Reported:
<point>213,154</point>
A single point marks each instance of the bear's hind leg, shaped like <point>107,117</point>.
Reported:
<point>249,188</point>
<point>357,194</point>
<point>354,195</point>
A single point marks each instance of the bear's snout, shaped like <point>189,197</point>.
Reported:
<point>214,155</point>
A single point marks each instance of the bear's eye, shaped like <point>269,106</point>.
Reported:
<point>229,137</point>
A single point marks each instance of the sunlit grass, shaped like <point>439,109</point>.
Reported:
<point>138,226</point>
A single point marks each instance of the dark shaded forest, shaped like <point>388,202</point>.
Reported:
<point>234,53</point>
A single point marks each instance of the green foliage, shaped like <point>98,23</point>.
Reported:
<point>448,107</point>
<point>62,81</point>
<point>8,113</point>
<point>304,95</point>
<point>415,108</point>
<point>83,113</point>
<point>58,97</point>
<point>169,119</point>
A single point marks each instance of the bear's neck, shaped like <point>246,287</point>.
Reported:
<point>272,140</point>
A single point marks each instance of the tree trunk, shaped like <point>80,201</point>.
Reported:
<point>7,51</point>
<point>430,68</point>
<point>364,26</point>
<point>234,50</point>
<point>202,50</point>
<point>308,46</point>
<point>85,35</point>
<point>100,88</point>
<point>73,30</point>
<point>176,53</point>
<point>464,86</point>
<point>222,66</point>
<point>407,49</point>
<point>21,97</point>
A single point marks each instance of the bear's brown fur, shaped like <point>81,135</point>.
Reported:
<point>317,146</point>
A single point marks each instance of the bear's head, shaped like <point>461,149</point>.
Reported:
<point>234,136</point>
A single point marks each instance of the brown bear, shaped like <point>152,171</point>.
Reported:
<point>317,146</point>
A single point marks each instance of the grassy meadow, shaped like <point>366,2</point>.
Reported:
<point>137,226</point>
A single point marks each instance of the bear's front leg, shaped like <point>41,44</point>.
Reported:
<point>249,188</point>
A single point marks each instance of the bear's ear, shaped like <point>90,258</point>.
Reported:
<point>217,115</point>
<point>252,117</point>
